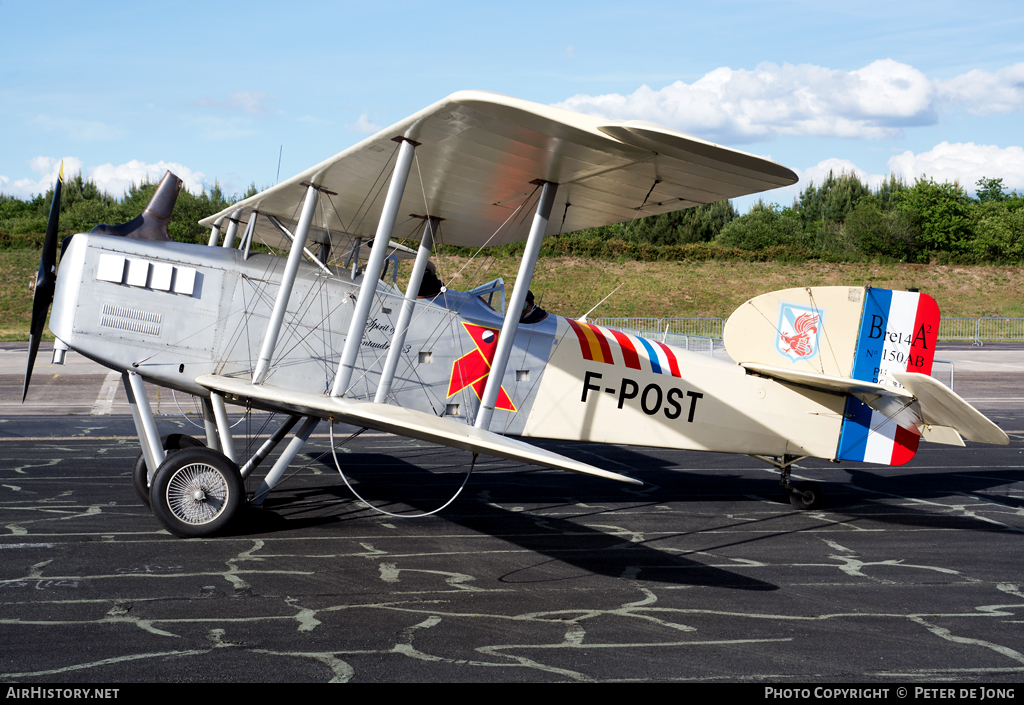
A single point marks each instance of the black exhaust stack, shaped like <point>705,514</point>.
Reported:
<point>152,224</point>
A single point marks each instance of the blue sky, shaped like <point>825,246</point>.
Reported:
<point>214,90</point>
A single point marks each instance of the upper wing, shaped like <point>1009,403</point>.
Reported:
<point>479,152</point>
<point>405,422</point>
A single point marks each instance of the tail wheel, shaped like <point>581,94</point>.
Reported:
<point>196,492</point>
<point>140,472</point>
<point>806,495</point>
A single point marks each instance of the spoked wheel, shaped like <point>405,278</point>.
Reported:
<point>806,495</point>
<point>140,473</point>
<point>196,492</point>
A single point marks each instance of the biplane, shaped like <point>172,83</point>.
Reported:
<point>322,333</point>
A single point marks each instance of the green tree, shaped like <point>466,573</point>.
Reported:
<point>699,224</point>
<point>764,226</point>
<point>190,209</point>
<point>888,192</point>
<point>878,232</point>
<point>990,190</point>
<point>999,232</point>
<point>832,201</point>
<point>84,205</point>
<point>941,211</point>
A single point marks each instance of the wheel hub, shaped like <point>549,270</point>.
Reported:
<point>197,494</point>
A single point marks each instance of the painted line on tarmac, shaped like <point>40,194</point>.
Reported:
<point>104,403</point>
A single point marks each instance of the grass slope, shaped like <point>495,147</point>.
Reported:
<point>571,286</point>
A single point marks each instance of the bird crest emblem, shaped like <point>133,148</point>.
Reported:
<point>798,330</point>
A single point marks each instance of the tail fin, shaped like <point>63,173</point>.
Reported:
<point>898,332</point>
<point>851,332</point>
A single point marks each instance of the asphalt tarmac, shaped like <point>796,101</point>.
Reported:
<point>908,575</point>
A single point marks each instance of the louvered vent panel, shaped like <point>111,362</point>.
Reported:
<point>130,319</point>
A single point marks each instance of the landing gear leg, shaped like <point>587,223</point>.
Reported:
<point>140,473</point>
<point>145,424</point>
<point>804,495</point>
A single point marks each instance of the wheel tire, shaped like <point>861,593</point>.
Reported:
<point>140,473</point>
<point>196,492</point>
<point>807,495</point>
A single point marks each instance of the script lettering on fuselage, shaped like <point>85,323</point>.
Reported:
<point>673,401</point>
<point>382,343</point>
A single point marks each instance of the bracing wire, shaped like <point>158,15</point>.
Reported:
<point>198,411</point>
<point>337,464</point>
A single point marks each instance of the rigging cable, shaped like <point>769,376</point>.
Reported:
<point>337,464</point>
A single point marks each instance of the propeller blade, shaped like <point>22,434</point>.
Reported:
<point>46,280</point>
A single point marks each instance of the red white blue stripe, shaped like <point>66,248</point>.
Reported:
<point>898,331</point>
<point>610,346</point>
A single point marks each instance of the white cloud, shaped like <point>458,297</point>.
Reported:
<point>740,105</point>
<point>983,92</point>
<point>963,162</point>
<point>252,104</point>
<point>114,180</point>
<point>874,102</point>
<point>364,127</point>
<point>47,168</point>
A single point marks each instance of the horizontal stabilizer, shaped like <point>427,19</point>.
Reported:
<point>942,434</point>
<point>922,406</point>
<point>828,383</point>
<point>403,422</point>
<point>941,406</point>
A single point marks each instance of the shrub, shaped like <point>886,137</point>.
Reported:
<point>763,227</point>
<point>890,234</point>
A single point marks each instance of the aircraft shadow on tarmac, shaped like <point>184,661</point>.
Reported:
<point>847,487</point>
<point>933,486</point>
<point>398,486</point>
<point>405,486</point>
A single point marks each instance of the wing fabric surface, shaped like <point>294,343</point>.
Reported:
<point>478,155</point>
<point>403,422</point>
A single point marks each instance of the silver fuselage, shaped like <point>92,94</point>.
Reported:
<point>171,312</point>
